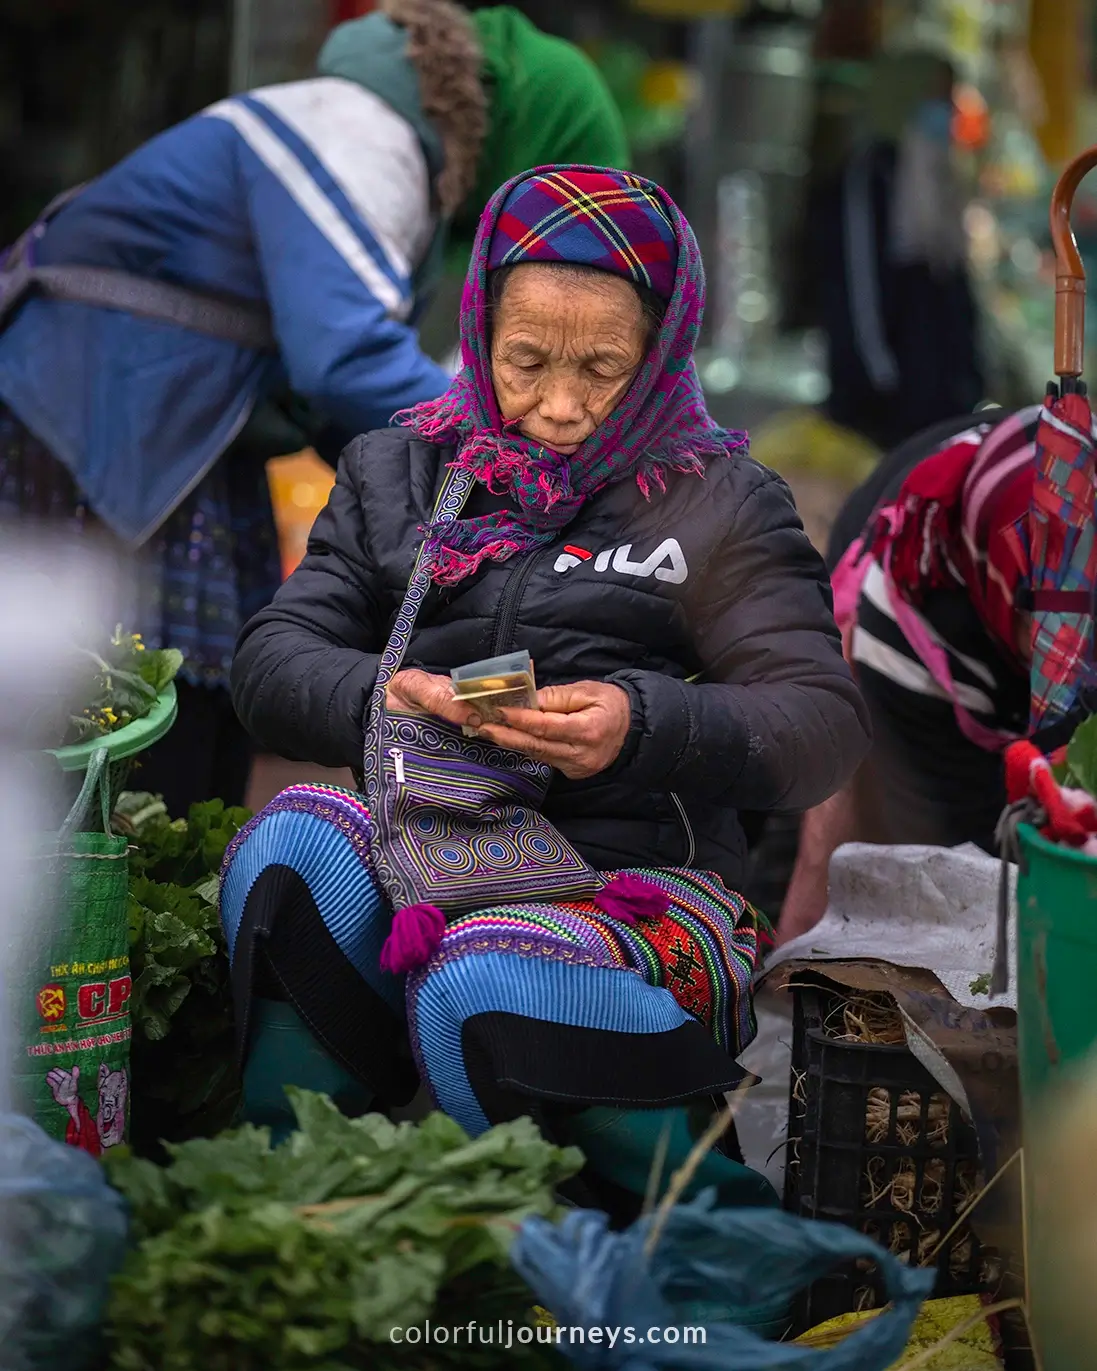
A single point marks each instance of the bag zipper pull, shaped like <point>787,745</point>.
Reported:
<point>397,756</point>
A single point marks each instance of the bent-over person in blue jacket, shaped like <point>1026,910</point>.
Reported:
<point>293,234</point>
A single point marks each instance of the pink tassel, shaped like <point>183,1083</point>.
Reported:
<point>628,898</point>
<point>451,565</point>
<point>433,420</point>
<point>416,932</point>
<point>500,468</point>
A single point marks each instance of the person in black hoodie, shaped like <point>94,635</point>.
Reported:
<point>678,617</point>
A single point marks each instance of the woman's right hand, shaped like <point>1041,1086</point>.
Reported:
<point>421,692</point>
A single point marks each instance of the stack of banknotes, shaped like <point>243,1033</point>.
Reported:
<point>497,683</point>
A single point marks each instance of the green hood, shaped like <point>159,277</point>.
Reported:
<point>547,102</point>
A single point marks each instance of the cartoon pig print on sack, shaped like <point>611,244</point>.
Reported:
<point>108,1127</point>
<point>111,1118</point>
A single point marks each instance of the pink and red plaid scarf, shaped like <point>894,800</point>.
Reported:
<point>621,223</point>
<point>961,522</point>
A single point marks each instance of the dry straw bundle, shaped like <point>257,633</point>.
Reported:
<point>909,1125</point>
<point>866,1019</point>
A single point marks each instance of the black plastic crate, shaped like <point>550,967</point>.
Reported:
<point>875,1143</point>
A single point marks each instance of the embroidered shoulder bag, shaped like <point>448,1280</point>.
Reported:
<point>457,820</point>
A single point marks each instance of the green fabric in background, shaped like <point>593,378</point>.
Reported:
<point>547,102</point>
<point>72,1071</point>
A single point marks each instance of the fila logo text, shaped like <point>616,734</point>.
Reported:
<point>666,563</point>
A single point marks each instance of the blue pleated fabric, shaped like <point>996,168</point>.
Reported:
<point>509,1010</point>
<point>322,833</point>
<point>560,989</point>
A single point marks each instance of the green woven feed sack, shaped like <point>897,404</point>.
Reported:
<point>71,1073</point>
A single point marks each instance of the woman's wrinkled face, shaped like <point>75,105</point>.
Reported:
<point>564,349</point>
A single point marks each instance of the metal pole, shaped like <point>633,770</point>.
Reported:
<point>707,46</point>
<point>240,73</point>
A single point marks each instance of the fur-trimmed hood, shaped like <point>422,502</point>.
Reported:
<point>423,58</point>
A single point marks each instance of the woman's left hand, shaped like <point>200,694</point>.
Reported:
<point>580,729</point>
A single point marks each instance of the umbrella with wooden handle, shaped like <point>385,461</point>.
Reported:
<point>1070,275</point>
<point>1062,545</point>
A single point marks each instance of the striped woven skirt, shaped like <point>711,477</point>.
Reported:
<point>521,1010</point>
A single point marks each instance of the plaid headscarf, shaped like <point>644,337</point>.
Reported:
<point>660,425</point>
<point>596,218</point>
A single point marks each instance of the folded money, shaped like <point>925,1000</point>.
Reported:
<point>496,683</point>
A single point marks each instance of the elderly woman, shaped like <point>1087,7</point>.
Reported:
<point>680,625</point>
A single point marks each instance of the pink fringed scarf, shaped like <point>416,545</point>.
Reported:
<point>660,426</point>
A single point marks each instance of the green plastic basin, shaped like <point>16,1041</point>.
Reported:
<point>1056,959</point>
<point>126,742</point>
<point>1056,1031</point>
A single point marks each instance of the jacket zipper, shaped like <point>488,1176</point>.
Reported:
<point>510,601</point>
<point>691,842</point>
<point>397,756</point>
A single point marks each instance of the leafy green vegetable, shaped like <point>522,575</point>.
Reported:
<point>981,984</point>
<point>307,1255</point>
<point>180,852</point>
<point>172,931</point>
<point>158,669</point>
<point>1082,757</point>
<point>183,1052</point>
<point>121,686</point>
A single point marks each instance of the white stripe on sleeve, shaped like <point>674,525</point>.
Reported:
<point>287,167</point>
<point>373,155</point>
<point>876,592</point>
<point>912,675</point>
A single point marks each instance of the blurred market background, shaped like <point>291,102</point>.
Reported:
<point>747,110</point>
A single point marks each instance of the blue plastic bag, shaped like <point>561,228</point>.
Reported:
<point>588,1277</point>
<point>62,1237</point>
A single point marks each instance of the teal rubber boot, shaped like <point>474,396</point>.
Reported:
<point>283,1052</point>
<point>622,1146</point>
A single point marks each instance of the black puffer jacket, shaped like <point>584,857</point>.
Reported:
<point>715,580</point>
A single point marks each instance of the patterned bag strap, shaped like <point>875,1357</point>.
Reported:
<point>450,502</point>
